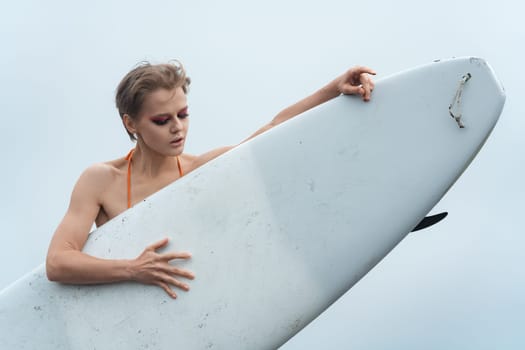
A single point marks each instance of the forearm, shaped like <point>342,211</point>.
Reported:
<point>75,267</point>
<point>321,96</point>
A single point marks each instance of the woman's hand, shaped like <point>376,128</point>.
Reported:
<point>154,268</point>
<point>356,81</point>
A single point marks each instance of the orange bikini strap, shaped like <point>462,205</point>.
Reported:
<point>128,158</point>
<point>181,173</point>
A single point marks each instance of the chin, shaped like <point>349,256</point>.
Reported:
<point>176,151</point>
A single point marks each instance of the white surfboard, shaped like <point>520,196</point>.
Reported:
<point>279,227</point>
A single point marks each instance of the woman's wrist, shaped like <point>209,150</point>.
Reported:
<point>129,270</point>
<point>331,90</point>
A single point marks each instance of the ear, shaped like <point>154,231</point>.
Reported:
<point>129,123</point>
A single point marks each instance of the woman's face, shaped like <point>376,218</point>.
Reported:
<point>162,124</point>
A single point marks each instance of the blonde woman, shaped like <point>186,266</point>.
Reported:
<point>151,100</point>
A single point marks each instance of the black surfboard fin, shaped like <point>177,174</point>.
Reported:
<point>430,221</point>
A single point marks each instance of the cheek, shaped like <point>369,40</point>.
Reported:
<point>186,124</point>
<point>150,133</point>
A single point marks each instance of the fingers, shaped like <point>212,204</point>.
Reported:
<point>367,85</point>
<point>167,289</point>
<point>166,282</point>
<point>182,272</point>
<point>364,89</point>
<point>158,244</point>
<point>175,270</point>
<point>362,69</point>
<point>358,82</point>
<point>170,270</point>
<point>155,268</point>
<point>176,255</point>
<point>349,89</point>
<point>168,256</point>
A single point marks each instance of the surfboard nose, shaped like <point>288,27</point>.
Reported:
<point>476,95</point>
<point>492,87</point>
<point>482,62</point>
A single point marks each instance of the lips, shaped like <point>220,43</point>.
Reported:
<point>177,141</point>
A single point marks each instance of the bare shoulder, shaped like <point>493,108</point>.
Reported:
<point>193,162</point>
<point>187,158</point>
<point>188,162</point>
<point>99,176</point>
<point>102,172</point>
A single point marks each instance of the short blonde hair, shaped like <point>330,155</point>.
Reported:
<point>144,79</point>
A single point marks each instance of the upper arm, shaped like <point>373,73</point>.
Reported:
<point>73,230</point>
<point>206,157</point>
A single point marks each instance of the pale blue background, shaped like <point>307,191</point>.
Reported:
<point>459,285</point>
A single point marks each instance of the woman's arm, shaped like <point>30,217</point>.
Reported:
<point>67,263</point>
<point>355,81</point>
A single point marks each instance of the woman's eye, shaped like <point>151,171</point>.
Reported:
<point>160,121</point>
<point>183,113</point>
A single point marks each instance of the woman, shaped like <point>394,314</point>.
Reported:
<point>151,100</point>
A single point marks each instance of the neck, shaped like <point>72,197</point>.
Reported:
<point>150,163</point>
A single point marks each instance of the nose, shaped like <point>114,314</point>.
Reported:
<point>175,125</point>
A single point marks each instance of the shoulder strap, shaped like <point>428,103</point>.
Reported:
<point>128,158</point>
<point>181,173</point>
